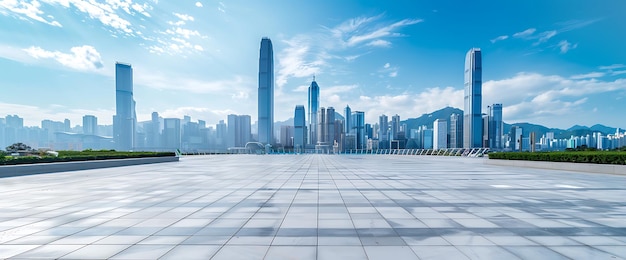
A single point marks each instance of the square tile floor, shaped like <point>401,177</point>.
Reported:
<point>314,207</point>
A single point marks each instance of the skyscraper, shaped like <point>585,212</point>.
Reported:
<point>383,132</point>
<point>440,134</point>
<point>347,113</point>
<point>124,120</point>
<point>472,118</point>
<point>266,92</point>
<point>172,133</point>
<point>395,126</point>
<point>299,121</point>
<point>90,125</point>
<point>358,126</point>
<point>314,103</point>
<point>239,132</point>
<point>329,126</point>
<point>456,131</point>
<point>496,127</point>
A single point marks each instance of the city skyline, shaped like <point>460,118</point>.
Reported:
<point>554,70</point>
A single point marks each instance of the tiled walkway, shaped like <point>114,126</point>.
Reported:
<point>314,207</point>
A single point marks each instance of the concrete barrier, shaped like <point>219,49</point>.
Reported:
<point>566,166</point>
<point>39,168</point>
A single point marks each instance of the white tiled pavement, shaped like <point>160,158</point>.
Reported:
<point>314,207</point>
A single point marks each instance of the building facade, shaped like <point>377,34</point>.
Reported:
<point>124,121</point>
<point>472,118</point>
<point>314,103</point>
<point>266,92</point>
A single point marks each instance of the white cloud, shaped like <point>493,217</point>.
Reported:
<point>80,57</point>
<point>103,12</point>
<point>588,75</point>
<point>387,65</point>
<point>499,38</point>
<point>393,74</point>
<point>182,83</point>
<point>184,17</point>
<point>379,43</point>
<point>533,96</point>
<point>198,4</point>
<point>355,37</point>
<point>524,34</point>
<point>612,67</point>
<point>566,46</point>
<point>618,72</point>
<point>23,10</point>
<point>221,7</point>
<point>545,36</point>
<point>293,62</point>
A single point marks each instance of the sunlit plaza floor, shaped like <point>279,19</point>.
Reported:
<point>314,207</point>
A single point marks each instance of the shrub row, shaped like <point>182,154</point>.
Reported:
<point>599,157</point>
<point>69,156</point>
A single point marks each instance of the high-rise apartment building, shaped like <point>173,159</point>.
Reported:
<point>125,119</point>
<point>266,92</point>
<point>299,134</point>
<point>314,103</point>
<point>90,125</point>
<point>472,118</point>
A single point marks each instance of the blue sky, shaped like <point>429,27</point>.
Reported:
<point>556,63</point>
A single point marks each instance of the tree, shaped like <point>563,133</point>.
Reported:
<point>18,147</point>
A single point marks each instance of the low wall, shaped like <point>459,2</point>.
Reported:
<point>39,168</point>
<point>566,166</point>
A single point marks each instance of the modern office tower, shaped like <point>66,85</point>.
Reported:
<point>314,103</point>
<point>347,112</point>
<point>67,125</point>
<point>440,134</point>
<point>90,125</point>
<point>321,127</point>
<point>153,132</point>
<point>239,130</point>
<point>299,134</point>
<point>516,138</point>
<point>427,138</point>
<point>266,92</point>
<point>395,126</point>
<point>472,118</point>
<point>124,120</point>
<point>496,127</point>
<point>358,120</point>
<point>328,126</point>
<point>339,134</point>
<point>485,138</point>
<point>221,135</point>
<point>383,132</point>
<point>171,133</point>
<point>456,131</point>
<point>369,131</point>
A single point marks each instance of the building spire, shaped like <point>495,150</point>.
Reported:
<point>313,76</point>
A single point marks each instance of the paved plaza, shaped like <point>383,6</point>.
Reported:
<point>314,207</point>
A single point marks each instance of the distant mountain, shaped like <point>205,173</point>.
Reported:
<point>428,119</point>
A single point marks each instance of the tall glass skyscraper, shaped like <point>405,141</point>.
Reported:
<point>314,103</point>
<point>347,112</point>
<point>472,115</point>
<point>266,92</point>
<point>125,119</point>
<point>90,125</point>
<point>496,127</point>
<point>299,134</point>
<point>358,126</point>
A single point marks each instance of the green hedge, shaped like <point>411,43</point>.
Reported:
<point>599,157</point>
<point>69,156</point>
